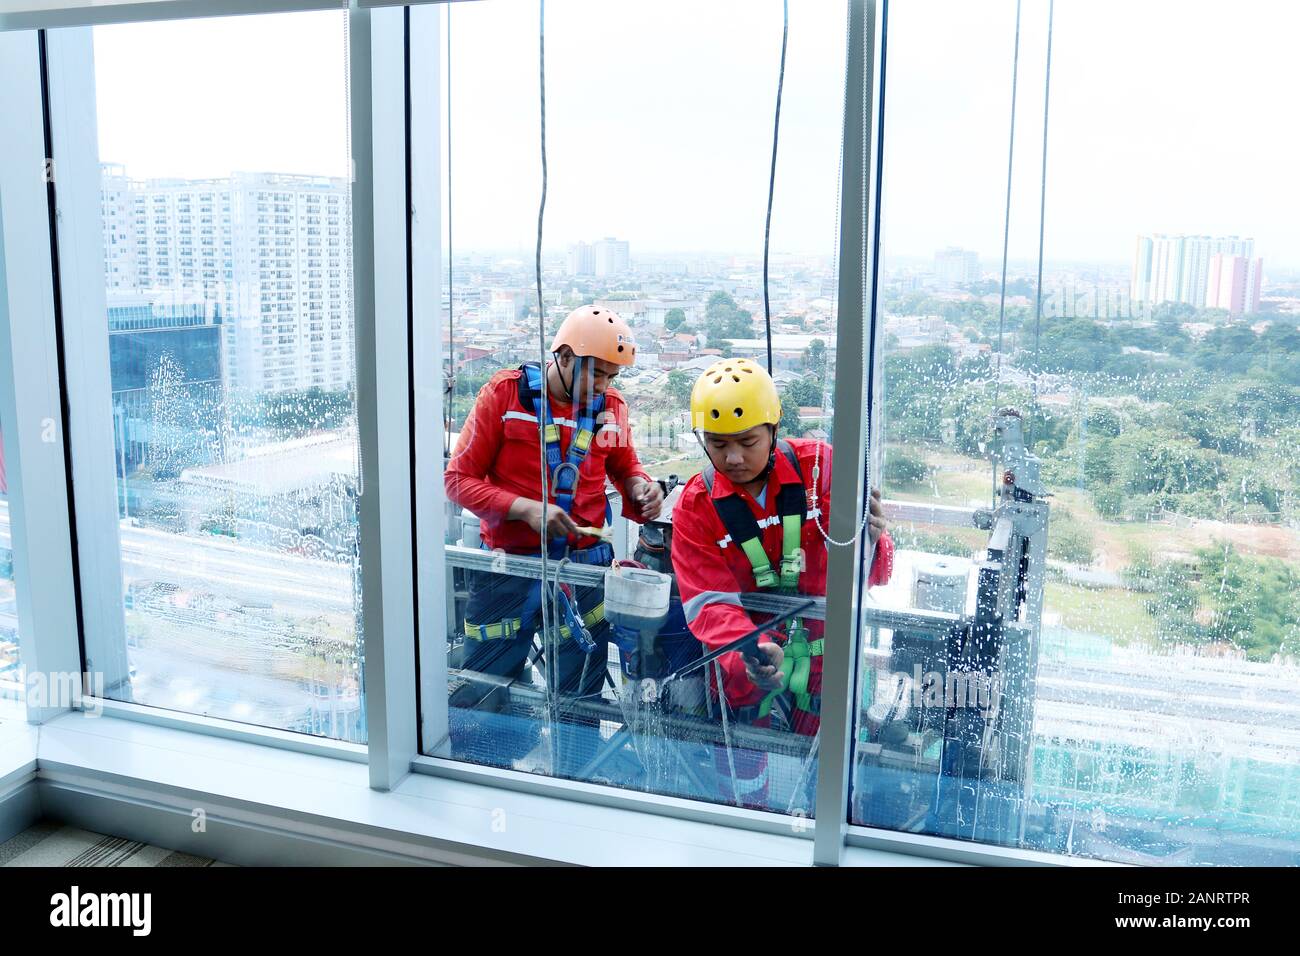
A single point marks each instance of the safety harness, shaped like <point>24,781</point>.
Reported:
<point>744,531</point>
<point>563,468</point>
<point>564,471</point>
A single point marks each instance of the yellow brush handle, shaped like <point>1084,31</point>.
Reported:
<point>596,532</point>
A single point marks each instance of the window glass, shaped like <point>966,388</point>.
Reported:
<point>1123,686</point>
<point>659,159</point>
<point>11,668</point>
<point>229,337</point>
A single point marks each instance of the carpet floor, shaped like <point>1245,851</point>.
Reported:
<point>54,844</point>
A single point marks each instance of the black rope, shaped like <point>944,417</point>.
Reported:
<point>771,179</point>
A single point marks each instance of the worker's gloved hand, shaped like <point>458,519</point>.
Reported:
<point>765,674</point>
<point>558,523</point>
<point>877,518</point>
<point>648,496</point>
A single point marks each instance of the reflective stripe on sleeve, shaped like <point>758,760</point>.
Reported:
<point>695,605</point>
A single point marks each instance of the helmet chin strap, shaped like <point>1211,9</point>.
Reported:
<point>573,379</point>
<point>771,459</point>
<point>559,371</point>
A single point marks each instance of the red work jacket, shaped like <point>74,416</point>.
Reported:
<point>498,459</point>
<point>712,570</point>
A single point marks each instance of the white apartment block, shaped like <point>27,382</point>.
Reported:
<point>580,261</point>
<point>275,251</point>
<point>954,267</point>
<point>1177,268</point>
<point>611,256</point>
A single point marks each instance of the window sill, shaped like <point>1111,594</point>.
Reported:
<point>325,799</point>
<point>253,797</point>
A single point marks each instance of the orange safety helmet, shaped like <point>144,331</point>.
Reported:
<point>599,333</point>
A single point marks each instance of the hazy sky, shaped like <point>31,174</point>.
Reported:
<point>1167,115</point>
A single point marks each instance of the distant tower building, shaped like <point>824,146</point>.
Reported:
<point>118,206</point>
<point>274,251</point>
<point>611,256</point>
<point>1178,268</point>
<point>1234,284</point>
<point>580,260</point>
<point>954,267</point>
<point>165,361</point>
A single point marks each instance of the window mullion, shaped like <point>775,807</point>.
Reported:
<point>855,353</point>
<point>30,416</point>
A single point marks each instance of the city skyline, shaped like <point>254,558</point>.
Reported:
<point>663,110</point>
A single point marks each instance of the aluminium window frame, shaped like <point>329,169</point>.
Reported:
<point>30,397</point>
<point>397,220</point>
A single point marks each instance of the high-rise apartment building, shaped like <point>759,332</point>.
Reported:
<point>1178,268</point>
<point>1234,284</point>
<point>954,267</point>
<point>580,260</point>
<point>273,250</point>
<point>610,256</point>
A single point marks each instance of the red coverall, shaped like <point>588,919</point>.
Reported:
<point>497,460</point>
<point>710,575</point>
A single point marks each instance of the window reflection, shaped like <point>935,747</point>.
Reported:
<point>11,671</point>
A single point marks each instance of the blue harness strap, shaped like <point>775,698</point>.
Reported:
<point>564,468</point>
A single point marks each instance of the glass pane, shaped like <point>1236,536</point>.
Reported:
<point>1122,686</point>
<point>655,216</point>
<point>229,333</point>
<point>11,667</point>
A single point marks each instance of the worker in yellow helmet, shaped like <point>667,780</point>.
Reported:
<point>753,520</point>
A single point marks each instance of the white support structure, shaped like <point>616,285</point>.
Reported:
<point>379,218</point>
<point>77,190</point>
<point>30,403</point>
<point>50,14</point>
<point>434,601</point>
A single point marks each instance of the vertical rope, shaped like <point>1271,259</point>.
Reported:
<point>549,634</point>
<point>1042,213</point>
<point>771,179</point>
<point>449,413</point>
<point>1006,227</point>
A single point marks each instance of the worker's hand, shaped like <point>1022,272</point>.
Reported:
<point>648,495</point>
<point>558,523</point>
<point>765,676</point>
<point>876,520</point>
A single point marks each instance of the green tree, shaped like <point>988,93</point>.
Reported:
<point>790,425</point>
<point>814,357</point>
<point>724,319</point>
<point>904,469</point>
<point>674,319</point>
<point>679,386</point>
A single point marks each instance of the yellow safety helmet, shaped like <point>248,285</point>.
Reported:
<point>734,395</point>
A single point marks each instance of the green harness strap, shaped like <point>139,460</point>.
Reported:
<point>792,502</point>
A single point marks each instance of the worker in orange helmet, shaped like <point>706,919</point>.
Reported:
<point>753,520</point>
<point>495,472</point>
